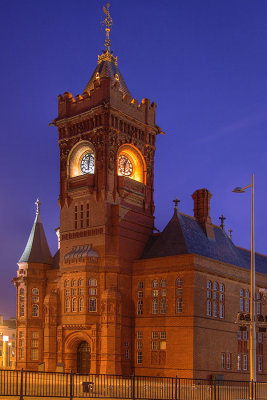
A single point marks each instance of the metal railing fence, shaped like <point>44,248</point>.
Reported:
<point>78,386</point>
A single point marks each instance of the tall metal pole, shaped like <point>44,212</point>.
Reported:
<point>253,376</point>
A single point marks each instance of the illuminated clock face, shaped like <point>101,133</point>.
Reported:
<point>88,163</point>
<point>125,166</point>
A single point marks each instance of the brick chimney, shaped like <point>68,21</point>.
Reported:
<point>201,199</point>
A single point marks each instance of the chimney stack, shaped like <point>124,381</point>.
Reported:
<point>201,199</point>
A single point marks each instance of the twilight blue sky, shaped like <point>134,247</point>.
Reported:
<point>203,62</point>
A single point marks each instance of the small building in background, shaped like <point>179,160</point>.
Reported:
<point>7,342</point>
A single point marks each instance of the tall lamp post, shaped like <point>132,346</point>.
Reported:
<point>252,336</point>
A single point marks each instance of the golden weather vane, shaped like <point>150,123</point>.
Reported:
<point>108,22</point>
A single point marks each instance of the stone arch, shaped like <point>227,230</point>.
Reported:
<point>75,156</point>
<point>137,159</point>
<point>71,344</point>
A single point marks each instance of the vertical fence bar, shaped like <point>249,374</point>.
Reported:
<point>71,385</point>
<point>21,385</point>
<point>133,387</point>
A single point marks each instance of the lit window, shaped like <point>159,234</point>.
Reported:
<point>163,335</point>
<point>92,304</point>
<point>154,335</point>
<point>155,293</point>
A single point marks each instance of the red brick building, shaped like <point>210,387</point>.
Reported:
<point>119,297</point>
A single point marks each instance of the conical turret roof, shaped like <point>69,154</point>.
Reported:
<point>37,249</point>
<point>107,67</point>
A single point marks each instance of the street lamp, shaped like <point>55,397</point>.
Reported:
<point>5,351</point>
<point>252,336</point>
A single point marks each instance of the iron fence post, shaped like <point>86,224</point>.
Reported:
<point>71,385</point>
<point>176,387</point>
<point>133,387</point>
<point>21,385</point>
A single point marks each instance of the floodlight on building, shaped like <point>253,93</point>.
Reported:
<point>5,338</point>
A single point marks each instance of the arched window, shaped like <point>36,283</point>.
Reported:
<point>215,286</point>
<point>35,291</point>
<point>74,305</point>
<point>74,282</point>
<point>35,295</point>
<point>81,304</point>
<point>35,310</point>
<point>21,291</point>
<point>67,304</point>
<point>208,308</point>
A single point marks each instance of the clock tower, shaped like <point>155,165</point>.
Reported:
<point>107,145</point>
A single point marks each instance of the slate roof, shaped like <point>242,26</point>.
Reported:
<point>185,235</point>
<point>37,249</point>
<point>108,69</point>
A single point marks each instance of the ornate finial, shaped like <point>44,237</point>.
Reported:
<point>222,218</point>
<point>108,22</point>
<point>176,201</point>
<point>38,203</point>
<point>230,233</point>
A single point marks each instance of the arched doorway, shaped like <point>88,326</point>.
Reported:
<point>83,358</point>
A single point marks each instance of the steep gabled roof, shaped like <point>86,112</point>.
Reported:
<point>37,249</point>
<point>185,235</point>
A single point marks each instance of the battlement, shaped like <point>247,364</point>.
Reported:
<point>107,94</point>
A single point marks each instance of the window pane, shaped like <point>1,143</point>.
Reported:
<point>92,282</point>
<point>140,285</point>
<point>163,283</point>
<point>155,284</point>
<point>155,306</point>
<point>92,304</point>
<point>179,282</point>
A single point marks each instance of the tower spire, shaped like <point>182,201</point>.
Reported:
<point>108,22</point>
<point>38,203</point>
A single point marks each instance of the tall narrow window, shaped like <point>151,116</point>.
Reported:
<point>223,360</point>
<point>81,215</point>
<point>81,304</point>
<point>258,304</point>
<point>74,304</point>
<point>21,345</point>
<point>35,310</point>
<point>87,215</point>
<point>139,307</point>
<point>155,306</point>
<point>67,304</point>
<point>179,294</point>
<point>21,302</point>
<point>76,217</point>
<point>92,304</point>
<point>34,346</point>
<point>92,294</point>
<point>239,360</point>
<point>163,305</point>
<point>228,360</point>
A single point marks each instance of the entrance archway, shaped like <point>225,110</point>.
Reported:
<point>84,358</point>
